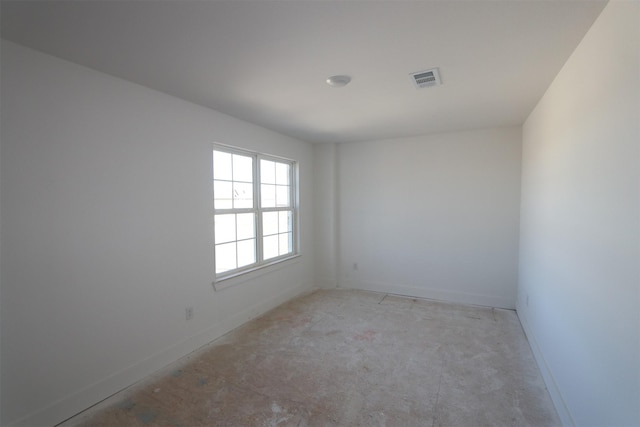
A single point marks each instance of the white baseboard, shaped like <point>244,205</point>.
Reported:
<point>547,375</point>
<point>257,310</point>
<point>90,395</point>
<point>436,294</point>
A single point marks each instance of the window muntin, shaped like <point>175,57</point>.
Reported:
<point>277,233</point>
<point>232,180</point>
<point>254,218</point>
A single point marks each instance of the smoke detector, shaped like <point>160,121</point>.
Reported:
<point>338,81</point>
<point>426,78</point>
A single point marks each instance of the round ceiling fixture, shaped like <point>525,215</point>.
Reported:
<point>338,81</point>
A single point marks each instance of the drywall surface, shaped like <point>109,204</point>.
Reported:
<point>0,241</point>
<point>433,216</point>
<point>107,234</point>
<point>325,215</point>
<point>579,284</point>
<point>343,358</point>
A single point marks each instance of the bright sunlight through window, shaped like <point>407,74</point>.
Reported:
<point>254,210</point>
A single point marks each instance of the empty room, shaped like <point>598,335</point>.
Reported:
<point>320,213</point>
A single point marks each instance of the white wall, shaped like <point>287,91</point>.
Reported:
<point>433,216</point>
<point>580,226</point>
<point>325,215</point>
<point>0,241</point>
<point>106,234</point>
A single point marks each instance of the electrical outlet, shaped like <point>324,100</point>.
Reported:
<point>188,313</point>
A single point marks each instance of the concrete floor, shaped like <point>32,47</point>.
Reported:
<point>348,358</point>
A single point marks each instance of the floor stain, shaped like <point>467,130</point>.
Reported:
<point>305,364</point>
<point>367,335</point>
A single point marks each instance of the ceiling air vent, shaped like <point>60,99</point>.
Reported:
<point>426,78</point>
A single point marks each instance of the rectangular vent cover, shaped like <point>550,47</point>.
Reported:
<point>426,78</point>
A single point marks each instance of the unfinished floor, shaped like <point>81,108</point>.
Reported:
<point>348,358</point>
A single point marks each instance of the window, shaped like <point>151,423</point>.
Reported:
<point>254,210</point>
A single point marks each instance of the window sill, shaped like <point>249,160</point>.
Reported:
<point>253,273</point>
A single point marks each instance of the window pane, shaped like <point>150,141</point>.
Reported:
<point>246,252</point>
<point>284,221</point>
<point>270,247</point>
<point>269,223</point>
<point>268,196</point>
<point>285,243</point>
<point>221,165</point>
<point>245,224</point>
<point>282,173</point>
<point>242,195</point>
<point>242,168</point>
<point>267,172</point>
<point>223,195</point>
<point>225,257</point>
<point>282,196</point>
<point>239,214</point>
<point>225,228</point>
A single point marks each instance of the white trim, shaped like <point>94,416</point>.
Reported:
<point>257,271</point>
<point>495,301</point>
<point>257,210</point>
<point>76,402</point>
<point>556,396</point>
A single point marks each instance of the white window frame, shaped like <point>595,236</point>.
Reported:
<point>258,210</point>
